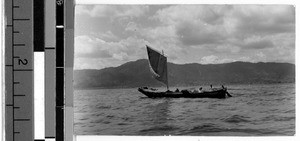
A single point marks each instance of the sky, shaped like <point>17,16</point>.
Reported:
<point>111,35</point>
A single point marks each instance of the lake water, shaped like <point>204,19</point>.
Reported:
<point>254,110</point>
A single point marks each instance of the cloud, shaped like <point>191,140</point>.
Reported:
<point>263,19</point>
<point>227,48</point>
<point>113,11</point>
<point>212,59</point>
<point>106,36</point>
<point>89,47</point>
<point>259,44</point>
<point>186,33</point>
<point>193,24</point>
<point>209,14</point>
<point>261,55</point>
<point>209,24</point>
<point>131,26</point>
<point>198,34</point>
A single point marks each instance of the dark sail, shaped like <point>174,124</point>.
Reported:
<point>158,65</point>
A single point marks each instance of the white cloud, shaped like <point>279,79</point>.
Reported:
<point>113,11</point>
<point>227,48</point>
<point>131,26</point>
<point>212,59</point>
<point>190,13</point>
<point>262,19</point>
<point>188,33</point>
<point>208,24</point>
<point>106,36</point>
<point>258,44</point>
<point>261,55</point>
<point>88,47</point>
<point>121,56</point>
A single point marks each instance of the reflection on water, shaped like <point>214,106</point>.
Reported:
<point>157,116</point>
<point>259,110</point>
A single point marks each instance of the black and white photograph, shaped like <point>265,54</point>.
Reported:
<point>184,70</point>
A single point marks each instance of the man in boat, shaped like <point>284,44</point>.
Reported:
<point>200,89</point>
<point>177,90</point>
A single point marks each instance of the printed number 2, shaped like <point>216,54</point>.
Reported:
<point>23,62</point>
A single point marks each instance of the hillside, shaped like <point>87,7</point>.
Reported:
<point>137,73</point>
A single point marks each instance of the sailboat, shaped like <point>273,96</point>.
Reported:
<point>159,68</point>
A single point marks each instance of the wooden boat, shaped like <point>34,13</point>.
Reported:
<point>158,66</point>
<point>219,93</point>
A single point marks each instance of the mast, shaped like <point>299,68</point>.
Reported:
<point>162,52</point>
<point>167,76</point>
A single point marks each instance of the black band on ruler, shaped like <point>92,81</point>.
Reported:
<point>59,104</point>
<point>59,87</point>
<point>60,47</point>
<point>39,26</point>
<point>59,12</point>
<point>59,70</point>
<point>59,124</point>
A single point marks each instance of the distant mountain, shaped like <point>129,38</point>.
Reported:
<point>137,73</point>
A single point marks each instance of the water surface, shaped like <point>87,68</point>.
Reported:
<point>254,110</point>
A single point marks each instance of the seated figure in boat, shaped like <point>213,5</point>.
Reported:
<point>195,91</point>
<point>169,91</point>
<point>153,89</point>
<point>200,89</point>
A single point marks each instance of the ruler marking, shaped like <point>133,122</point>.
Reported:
<point>18,45</point>
<point>16,107</point>
<point>60,26</point>
<point>23,70</point>
<point>19,95</point>
<point>9,105</point>
<point>49,137</point>
<point>16,6</point>
<point>21,19</point>
<point>16,56</point>
<point>8,65</point>
<point>16,31</point>
<point>16,132</point>
<point>9,25</point>
<point>49,47</point>
<point>22,119</point>
<point>16,82</point>
<point>13,114</point>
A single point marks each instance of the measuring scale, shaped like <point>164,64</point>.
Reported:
<point>39,30</point>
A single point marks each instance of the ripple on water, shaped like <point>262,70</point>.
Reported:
<point>159,129</point>
<point>214,129</point>
<point>236,119</point>
<point>254,110</point>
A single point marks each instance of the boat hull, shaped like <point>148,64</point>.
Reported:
<point>221,93</point>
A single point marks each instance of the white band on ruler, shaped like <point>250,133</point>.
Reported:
<point>39,94</point>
